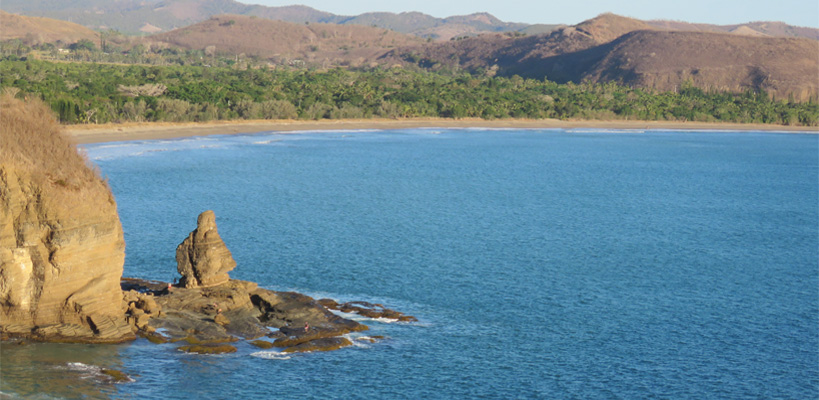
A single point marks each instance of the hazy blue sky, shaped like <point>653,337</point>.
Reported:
<point>723,12</point>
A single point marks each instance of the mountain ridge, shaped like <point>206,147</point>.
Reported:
<point>130,16</point>
<point>138,16</point>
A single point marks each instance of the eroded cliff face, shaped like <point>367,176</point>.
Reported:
<point>61,242</point>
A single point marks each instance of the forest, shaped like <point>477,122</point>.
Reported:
<point>95,93</point>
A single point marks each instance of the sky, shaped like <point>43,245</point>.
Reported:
<point>721,12</point>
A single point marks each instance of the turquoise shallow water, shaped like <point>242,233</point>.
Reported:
<point>541,264</point>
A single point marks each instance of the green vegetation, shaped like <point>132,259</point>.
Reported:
<point>100,93</point>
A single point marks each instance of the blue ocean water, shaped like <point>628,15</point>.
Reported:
<point>540,263</point>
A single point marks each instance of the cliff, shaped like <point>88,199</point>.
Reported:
<point>61,243</point>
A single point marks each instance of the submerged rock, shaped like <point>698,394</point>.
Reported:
<point>208,348</point>
<point>368,310</point>
<point>116,376</point>
<point>262,344</point>
<point>202,258</point>
<point>324,344</point>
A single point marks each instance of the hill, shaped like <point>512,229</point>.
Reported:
<point>285,42</point>
<point>506,51</point>
<point>35,30</point>
<point>666,61</point>
<point>632,52</point>
<point>152,16</point>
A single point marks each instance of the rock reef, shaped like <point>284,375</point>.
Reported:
<point>207,317</point>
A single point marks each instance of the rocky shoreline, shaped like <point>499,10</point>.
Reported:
<point>207,311</point>
<point>62,252</point>
<point>208,319</point>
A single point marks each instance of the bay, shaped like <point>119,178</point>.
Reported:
<point>540,263</point>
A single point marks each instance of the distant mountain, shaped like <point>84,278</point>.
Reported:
<point>151,16</point>
<point>764,28</point>
<point>36,30</point>
<point>286,42</point>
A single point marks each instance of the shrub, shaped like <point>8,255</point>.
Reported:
<point>316,111</point>
<point>33,139</point>
<point>278,109</point>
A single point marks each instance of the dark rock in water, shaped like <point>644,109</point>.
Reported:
<point>154,337</point>
<point>324,344</point>
<point>116,376</point>
<point>367,309</point>
<point>262,344</point>
<point>202,258</point>
<point>239,309</point>
<point>290,310</point>
<point>208,349</point>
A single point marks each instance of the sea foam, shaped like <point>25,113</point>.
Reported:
<point>271,355</point>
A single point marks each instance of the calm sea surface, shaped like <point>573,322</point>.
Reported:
<point>540,263</point>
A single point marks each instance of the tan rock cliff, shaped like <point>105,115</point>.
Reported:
<point>61,242</point>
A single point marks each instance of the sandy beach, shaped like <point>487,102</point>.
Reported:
<point>84,134</point>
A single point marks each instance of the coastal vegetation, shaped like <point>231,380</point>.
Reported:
<point>32,140</point>
<point>103,93</point>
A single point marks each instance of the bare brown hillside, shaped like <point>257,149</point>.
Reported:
<point>42,30</point>
<point>614,48</point>
<point>507,51</point>
<point>666,60</point>
<point>287,42</point>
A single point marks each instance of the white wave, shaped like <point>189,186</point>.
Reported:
<point>359,340</point>
<point>91,371</point>
<point>271,355</point>
<point>78,366</point>
<point>271,141</point>
<point>144,147</point>
<point>359,318</point>
<point>591,130</point>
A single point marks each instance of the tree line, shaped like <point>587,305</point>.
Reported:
<point>102,93</point>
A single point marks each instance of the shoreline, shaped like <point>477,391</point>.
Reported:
<point>87,134</point>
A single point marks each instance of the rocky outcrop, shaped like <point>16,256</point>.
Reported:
<point>239,309</point>
<point>202,258</point>
<point>366,309</point>
<point>61,243</point>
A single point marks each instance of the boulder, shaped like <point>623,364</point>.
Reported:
<point>202,258</point>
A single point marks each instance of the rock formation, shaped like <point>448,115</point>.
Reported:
<point>202,259</point>
<point>61,243</point>
<point>237,309</point>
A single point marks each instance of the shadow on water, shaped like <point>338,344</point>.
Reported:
<point>47,370</point>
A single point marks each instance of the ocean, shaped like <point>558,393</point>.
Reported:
<point>541,264</point>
